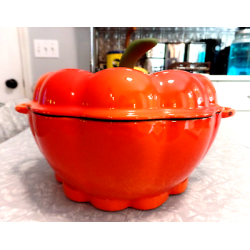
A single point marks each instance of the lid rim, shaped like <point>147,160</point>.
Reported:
<point>111,120</point>
<point>124,114</point>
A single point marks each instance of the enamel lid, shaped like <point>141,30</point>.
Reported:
<point>125,94</point>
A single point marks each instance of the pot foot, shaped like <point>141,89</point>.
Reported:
<point>116,204</point>
<point>58,178</point>
<point>75,195</point>
<point>150,203</point>
<point>180,188</point>
<point>109,205</point>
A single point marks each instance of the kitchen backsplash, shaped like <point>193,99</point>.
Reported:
<point>113,38</point>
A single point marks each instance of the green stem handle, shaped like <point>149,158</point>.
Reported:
<point>135,50</point>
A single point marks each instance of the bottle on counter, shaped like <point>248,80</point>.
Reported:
<point>239,57</point>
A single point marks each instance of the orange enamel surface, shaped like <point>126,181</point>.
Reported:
<point>215,130</point>
<point>22,108</point>
<point>119,204</point>
<point>123,94</point>
<point>227,112</point>
<point>122,160</point>
<point>179,188</point>
<point>143,143</point>
<point>210,89</point>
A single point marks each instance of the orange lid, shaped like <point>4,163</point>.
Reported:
<point>125,94</point>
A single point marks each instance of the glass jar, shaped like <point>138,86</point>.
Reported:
<point>239,57</point>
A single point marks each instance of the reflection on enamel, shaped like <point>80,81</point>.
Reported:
<point>161,83</point>
<point>170,81</point>
<point>134,105</point>
<point>150,96</point>
<point>174,105</point>
<point>112,97</point>
<point>129,79</point>
<point>190,95</point>
<point>129,69</point>
<point>72,93</point>
<point>199,100</point>
<point>165,72</point>
<point>151,129</point>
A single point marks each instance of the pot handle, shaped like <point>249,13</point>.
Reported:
<point>227,112</point>
<point>22,108</point>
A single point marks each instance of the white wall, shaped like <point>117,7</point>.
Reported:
<point>74,49</point>
<point>10,64</point>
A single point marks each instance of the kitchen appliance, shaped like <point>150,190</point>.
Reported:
<point>154,60</point>
<point>157,52</point>
<point>196,52</point>
<point>154,64</point>
<point>239,57</point>
<point>213,47</point>
<point>175,52</point>
<point>221,64</point>
<point>118,138</point>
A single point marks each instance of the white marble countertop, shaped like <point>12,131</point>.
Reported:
<point>218,190</point>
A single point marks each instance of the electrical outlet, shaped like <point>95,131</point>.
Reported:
<point>46,48</point>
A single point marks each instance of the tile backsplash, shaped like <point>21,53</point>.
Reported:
<point>113,38</point>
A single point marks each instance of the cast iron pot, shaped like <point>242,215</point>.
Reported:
<point>120,138</point>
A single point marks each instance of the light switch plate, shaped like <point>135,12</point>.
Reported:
<point>46,48</point>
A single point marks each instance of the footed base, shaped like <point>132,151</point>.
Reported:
<point>116,205</point>
<point>58,178</point>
